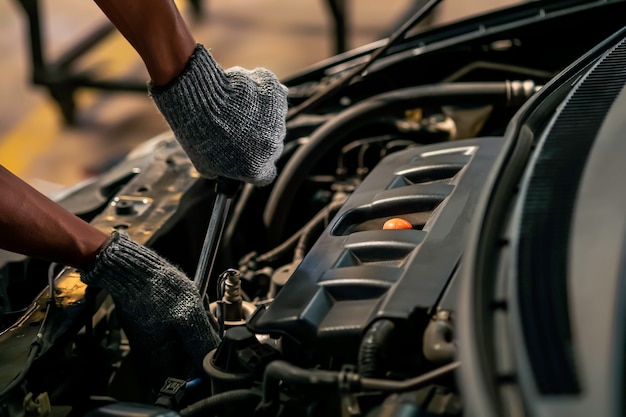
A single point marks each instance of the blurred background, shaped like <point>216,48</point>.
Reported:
<point>52,146</point>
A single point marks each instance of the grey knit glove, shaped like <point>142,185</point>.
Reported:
<point>159,308</point>
<point>230,123</point>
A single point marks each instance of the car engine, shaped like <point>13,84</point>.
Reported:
<point>336,288</point>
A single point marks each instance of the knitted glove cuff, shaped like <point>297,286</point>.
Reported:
<point>159,306</point>
<point>184,90</point>
<point>230,123</point>
<point>127,270</point>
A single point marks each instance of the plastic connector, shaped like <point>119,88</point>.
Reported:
<point>256,357</point>
<point>36,407</point>
<point>171,394</point>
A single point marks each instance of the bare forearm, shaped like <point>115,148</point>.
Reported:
<point>156,30</point>
<point>34,225</point>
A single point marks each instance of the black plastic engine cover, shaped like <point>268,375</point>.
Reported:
<point>357,272</point>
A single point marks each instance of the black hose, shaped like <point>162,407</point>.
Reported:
<point>377,384</point>
<point>279,370</point>
<point>245,198</point>
<point>373,348</point>
<point>306,157</point>
<point>320,220</point>
<point>224,401</point>
<point>19,378</point>
<point>361,70</point>
<point>35,348</point>
<point>328,211</point>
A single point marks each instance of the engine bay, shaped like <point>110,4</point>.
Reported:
<point>335,288</point>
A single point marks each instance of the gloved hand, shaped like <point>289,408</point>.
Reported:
<point>159,308</point>
<point>230,123</point>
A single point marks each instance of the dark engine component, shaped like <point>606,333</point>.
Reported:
<point>357,273</point>
<point>431,245</point>
<point>542,308</point>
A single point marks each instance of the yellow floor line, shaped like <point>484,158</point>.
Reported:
<point>31,138</point>
<point>36,134</point>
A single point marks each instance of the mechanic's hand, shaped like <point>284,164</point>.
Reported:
<point>159,308</point>
<point>230,123</point>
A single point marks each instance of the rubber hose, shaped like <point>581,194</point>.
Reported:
<point>279,370</point>
<point>245,198</point>
<point>306,157</point>
<point>222,401</point>
<point>373,347</point>
<point>328,211</point>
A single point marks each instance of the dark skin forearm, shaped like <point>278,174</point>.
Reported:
<point>34,225</point>
<point>157,31</point>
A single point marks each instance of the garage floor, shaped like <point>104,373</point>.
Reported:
<point>38,145</point>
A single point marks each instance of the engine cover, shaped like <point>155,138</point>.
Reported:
<point>357,272</point>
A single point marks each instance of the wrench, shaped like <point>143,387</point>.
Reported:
<point>225,189</point>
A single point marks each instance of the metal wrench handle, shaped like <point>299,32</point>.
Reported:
<point>225,189</point>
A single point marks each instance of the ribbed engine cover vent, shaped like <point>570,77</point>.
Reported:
<point>357,272</point>
<point>546,220</point>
